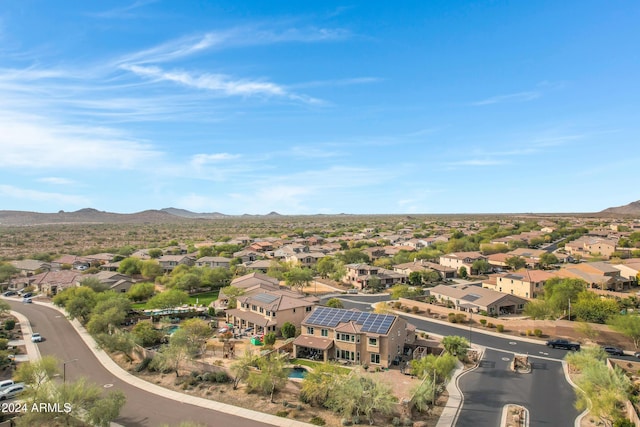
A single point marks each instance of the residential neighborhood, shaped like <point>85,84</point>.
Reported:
<point>269,292</point>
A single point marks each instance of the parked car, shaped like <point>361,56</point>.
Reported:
<point>36,337</point>
<point>6,384</point>
<point>27,300</point>
<point>10,293</point>
<point>565,344</point>
<point>613,351</point>
<point>12,391</point>
<point>27,295</point>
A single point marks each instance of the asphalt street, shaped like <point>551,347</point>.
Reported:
<point>492,385</point>
<point>142,407</point>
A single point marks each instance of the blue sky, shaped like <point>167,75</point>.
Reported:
<point>319,106</point>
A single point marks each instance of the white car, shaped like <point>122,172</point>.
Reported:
<point>36,337</point>
<point>12,391</point>
<point>6,384</point>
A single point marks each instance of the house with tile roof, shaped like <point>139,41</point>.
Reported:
<point>353,337</point>
<point>170,262</point>
<point>49,282</point>
<point>456,260</point>
<point>472,298</point>
<point>263,310</point>
<point>587,246</point>
<point>598,275</point>
<point>523,283</point>
<point>29,267</point>
<point>213,262</point>
<point>359,276</point>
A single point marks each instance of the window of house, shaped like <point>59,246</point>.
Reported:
<point>261,310</point>
<point>309,330</point>
<point>375,358</point>
<point>373,342</point>
<point>324,332</point>
<point>254,307</point>
<point>308,308</point>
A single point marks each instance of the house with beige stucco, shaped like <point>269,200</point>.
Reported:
<point>471,298</point>
<point>353,337</point>
<point>261,311</point>
<point>523,283</point>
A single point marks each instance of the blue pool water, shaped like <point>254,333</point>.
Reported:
<point>297,373</point>
<point>172,329</point>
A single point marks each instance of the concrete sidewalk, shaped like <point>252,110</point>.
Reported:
<point>131,379</point>
<point>33,352</point>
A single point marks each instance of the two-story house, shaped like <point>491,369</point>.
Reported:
<point>353,337</point>
<point>523,283</point>
<point>169,262</point>
<point>360,275</point>
<point>213,262</point>
<point>456,260</point>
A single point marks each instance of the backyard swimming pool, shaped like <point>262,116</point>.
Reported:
<point>297,372</point>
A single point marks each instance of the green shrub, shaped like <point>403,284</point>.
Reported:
<point>317,421</point>
<point>537,332</point>
<point>143,365</point>
<point>415,309</point>
<point>500,328</point>
<point>529,332</point>
<point>283,414</point>
<point>461,318</point>
<point>483,322</point>
<point>9,324</point>
<point>452,318</point>
<point>490,325</point>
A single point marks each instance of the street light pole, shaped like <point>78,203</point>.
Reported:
<point>64,370</point>
<point>470,325</point>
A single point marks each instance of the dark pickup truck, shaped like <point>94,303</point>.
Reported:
<point>566,344</point>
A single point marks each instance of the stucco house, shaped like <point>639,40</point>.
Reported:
<point>523,283</point>
<point>213,262</point>
<point>360,275</point>
<point>456,260</point>
<point>471,298</point>
<point>353,337</point>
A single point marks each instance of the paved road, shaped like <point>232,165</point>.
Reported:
<point>543,392</point>
<point>142,408</point>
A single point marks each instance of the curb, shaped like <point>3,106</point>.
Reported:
<point>33,352</point>
<point>131,379</point>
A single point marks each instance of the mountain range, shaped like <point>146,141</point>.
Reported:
<point>169,215</point>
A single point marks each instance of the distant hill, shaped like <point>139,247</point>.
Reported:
<point>188,214</point>
<point>94,216</point>
<point>632,208</point>
<point>84,216</point>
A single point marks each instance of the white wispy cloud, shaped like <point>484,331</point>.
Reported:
<point>56,180</point>
<point>12,192</point>
<point>199,160</point>
<point>477,162</point>
<point>62,145</point>
<point>218,83</point>
<point>233,37</point>
<point>336,82</point>
<point>122,12</point>
<point>513,97</point>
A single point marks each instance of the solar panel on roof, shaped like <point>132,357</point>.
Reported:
<point>370,322</point>
<point>471,297</point>
<point>266,298</point>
